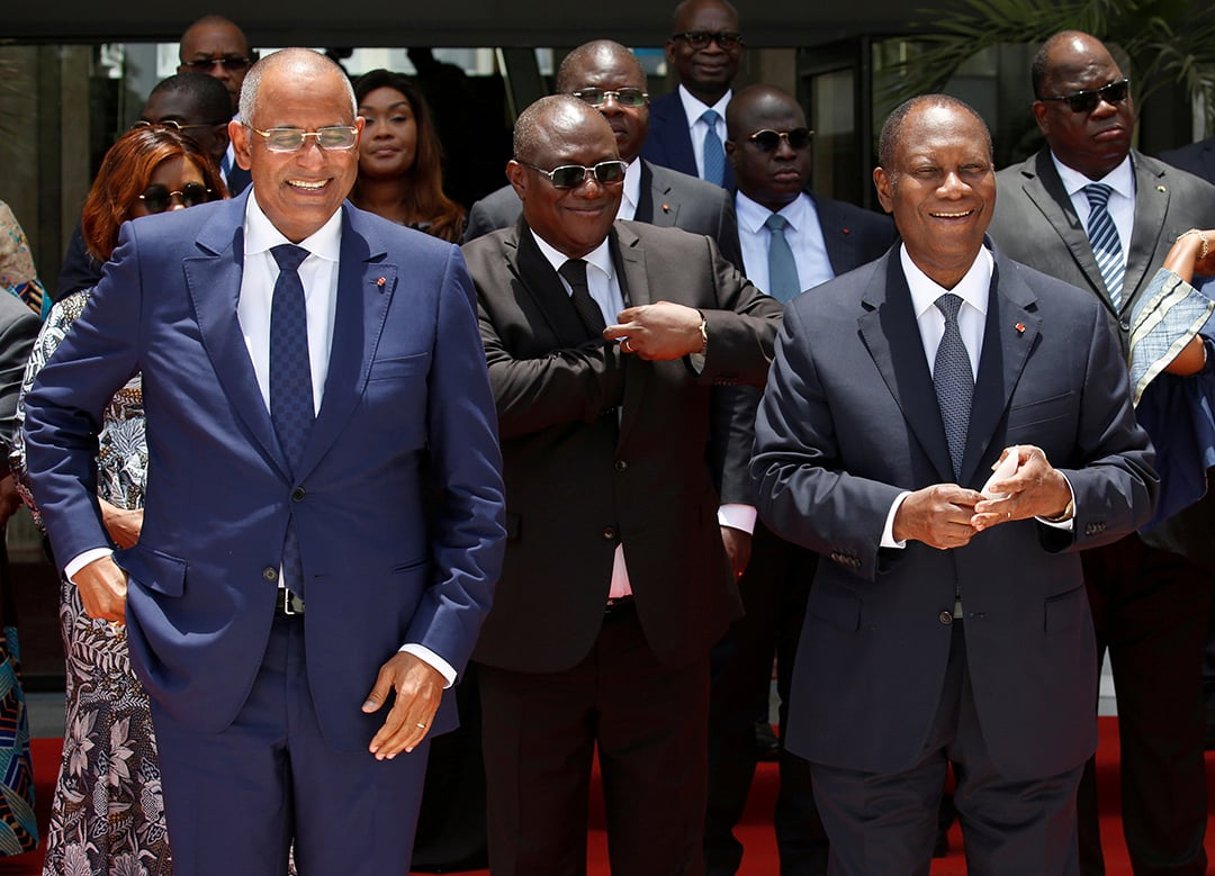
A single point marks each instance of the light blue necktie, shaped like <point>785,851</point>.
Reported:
<point>291,404</point>
<point>1103,236</point>
<point>953,381</point>
<point>715,153</point>
<point>783,282</point>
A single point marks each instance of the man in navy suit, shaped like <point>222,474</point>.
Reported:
<point>791,240</point>
<point>947,624</point>
<point>688,126</point>
<point>324,510</point>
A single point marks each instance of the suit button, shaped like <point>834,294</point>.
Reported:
<point>298,494</point>
<point>621,465</point>
<point>609,532</point>
<point>945,617</point>
<point>270,574</point>
<point>1124,325</point>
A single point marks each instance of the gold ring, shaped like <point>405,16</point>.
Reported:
<point>627,346</point>
<point>423,726</point>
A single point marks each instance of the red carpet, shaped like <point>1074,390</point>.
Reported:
<point>755,832</point>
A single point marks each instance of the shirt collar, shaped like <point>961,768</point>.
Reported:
<point>632,187</point>
<point>693,107</point>
<point>261,235</point>
<point>973,288</point>
<point>1121,179</point>
<point>752,215</point>
<point>600,256</point>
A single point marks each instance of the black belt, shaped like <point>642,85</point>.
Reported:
<point>287,603</point>
<point>619,607</point>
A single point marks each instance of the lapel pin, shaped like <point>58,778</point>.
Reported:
<point>847,230</point>
<point>1020,327</point>
<point>666,208</point>
<point>380,281</point>
<point>1161,189</point>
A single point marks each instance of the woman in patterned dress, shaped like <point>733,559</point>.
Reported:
<point>107,816</point>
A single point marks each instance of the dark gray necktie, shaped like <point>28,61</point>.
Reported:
<point>954,381</point>
<point>291,404</point>
<point>574,272</point>
<point>783,281</point>
<point>1103,236</point>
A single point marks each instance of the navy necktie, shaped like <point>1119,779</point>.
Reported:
<point>1103,236</point>
<point>954,381</point>
<point>783,281</point>
<point>291,405</point>
<point>715,153</point>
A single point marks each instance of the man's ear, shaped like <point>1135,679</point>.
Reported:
<point>1042,116</point>
<point>516,173</point>
<point>242,144</point>
<point>884,183</point>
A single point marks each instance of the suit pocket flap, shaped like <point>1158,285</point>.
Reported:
<point>153,570</point>
<point>401,366</point>
<point>839,608</point>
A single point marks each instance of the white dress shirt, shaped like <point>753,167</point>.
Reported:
<point>631,196</point>
<point>1121,205</point>
<point>693,108</point>
<point>804,234</point>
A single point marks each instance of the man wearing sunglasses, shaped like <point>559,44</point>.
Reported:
<point>792,240</point>
<point>688,125</point>
<point>604,341</point>
<point>323,523</point>
<point>1094,212</point>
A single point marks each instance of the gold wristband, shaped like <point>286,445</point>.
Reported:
<point>1202,236</point>
<point>1068,513</point>
<point>704,334</point>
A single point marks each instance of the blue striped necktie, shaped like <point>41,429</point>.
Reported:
<point>1103,236</point>
<point>715,153</point>
<point>953,381</point>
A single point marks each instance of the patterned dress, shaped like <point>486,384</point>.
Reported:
<point>107,816</point>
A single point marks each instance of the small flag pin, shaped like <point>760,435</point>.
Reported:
<point>380,281</point>
<point>666,208</point>
<point>1020,327</point>
<point>1161,189</point>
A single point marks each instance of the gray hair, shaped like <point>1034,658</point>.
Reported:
<point>297,57</point>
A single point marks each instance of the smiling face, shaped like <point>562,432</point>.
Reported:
<point>1093,142</point>
<point>389,145</point>
<point>174,174</point>
<point>775,178</point>
<point>708,72</point>
<point>299,191</point>
<point>576,220</point>
<point>941,189</point>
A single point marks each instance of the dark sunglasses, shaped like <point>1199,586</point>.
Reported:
<point>228,62</point>
<point>633,97</point>
<point>700,39</point>
<point>158,198</point>
<point>1086,101</point>
<point>769,140</point>
<point>570,176</point>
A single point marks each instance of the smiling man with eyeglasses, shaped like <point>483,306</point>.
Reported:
<point>1091,210</point>
<point>604,340</point>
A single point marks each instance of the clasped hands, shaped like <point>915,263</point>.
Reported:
<point>948,516</point>
<point>660,331</point>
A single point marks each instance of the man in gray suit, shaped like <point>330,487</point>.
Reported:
<point>1096,213</point>
<point>608,76</point>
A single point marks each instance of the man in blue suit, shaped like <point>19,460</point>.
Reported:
<point>324,510</point>
<point>947,623</point>
<point>688,125</point>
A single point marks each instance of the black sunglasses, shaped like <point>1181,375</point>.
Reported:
<point>228,62</point>
<point>1086,101</point>
<point>158,198</point>
<point>570,176</point>
<point>700,39</point>
<point>633,97</point>
<point>769,140</point>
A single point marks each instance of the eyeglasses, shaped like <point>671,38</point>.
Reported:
<point>1086,101</point>
<point>571,176</point>
<point>769,140</point>
<point>228,62</point>
<point>335,137</point>
<point>157,198</point>
<point>700,39</point>
<point>173,125</point>
<point>633,97</point>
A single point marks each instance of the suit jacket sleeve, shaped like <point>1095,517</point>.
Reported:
<point>742,328</point>
<point>18,329</point>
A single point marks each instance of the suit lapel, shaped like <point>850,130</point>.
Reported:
<point>1009,334</point>
<point>629,258</point>
<point>366,285</point>
<point>657,206</point>
<point>213,280</point>
<point>892,336</point>
<point>536,275</point>
<point>1151,206</point>
<point>841,245</point>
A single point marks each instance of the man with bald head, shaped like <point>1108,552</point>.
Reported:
<point>688,125</point>
<point>1092,211</point>
<point>604,340</point>
<point>947,621</point>
<point>303,362</point>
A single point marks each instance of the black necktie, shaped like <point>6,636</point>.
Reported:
<point>954,381</point>
<point>574,272</point>
<point>291,405</point>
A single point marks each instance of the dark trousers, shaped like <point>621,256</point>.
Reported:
<point>236,800</point>
<point>1150,610</point>
<point>886,824</point>
<point>540,731</point>
<point>774,590</point>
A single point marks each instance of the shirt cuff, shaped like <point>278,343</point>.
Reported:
<point>888,532</point>
<point>79,561</point>
<point>1067,525</point>
<point>430,658</point>
<point>735,516</point>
